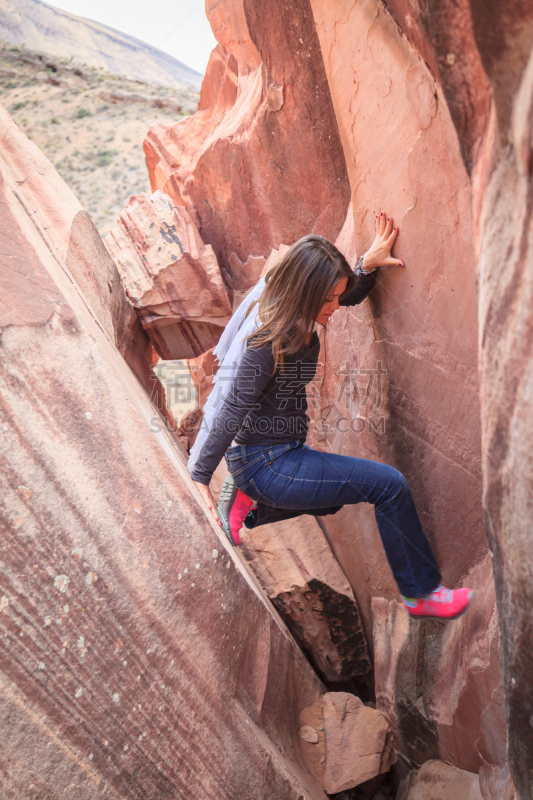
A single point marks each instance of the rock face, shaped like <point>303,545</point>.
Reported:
<point>234,164</point>
<point>170,276</point>
<point>423,100</point>
<point>139,658</point>
<point>506,295</point>
<point>445,665</point>
<point>202,369</point>
<point>298,571</point>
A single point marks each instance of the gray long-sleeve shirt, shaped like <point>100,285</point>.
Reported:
<point>264,407</point>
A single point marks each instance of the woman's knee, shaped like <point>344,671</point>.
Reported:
<point>396,482</point>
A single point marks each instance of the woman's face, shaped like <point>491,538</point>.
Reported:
<point>332,302</point>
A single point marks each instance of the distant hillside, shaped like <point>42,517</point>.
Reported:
<point>90,124</point>
<point>41,27</point>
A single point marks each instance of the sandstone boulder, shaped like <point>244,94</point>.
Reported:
<point>170,276</point>
<point>294,563</point>
<point>398,381</point>
<point>438,779</point>
<point>355,740</point>
<point>506,368</point>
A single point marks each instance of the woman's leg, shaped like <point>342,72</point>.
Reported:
<point>300,478</point>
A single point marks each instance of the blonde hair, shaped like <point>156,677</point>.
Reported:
<point>297,287</point>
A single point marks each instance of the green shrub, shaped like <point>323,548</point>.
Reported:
<point>18,106</point>
<point>105,157</point>
<point>82,112</point>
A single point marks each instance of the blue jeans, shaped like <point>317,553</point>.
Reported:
<point>291,479</point>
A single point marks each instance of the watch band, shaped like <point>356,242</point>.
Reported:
<point>359,268</point>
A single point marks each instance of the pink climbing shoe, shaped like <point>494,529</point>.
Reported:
<point>233,507</point>
<point>443,603</point>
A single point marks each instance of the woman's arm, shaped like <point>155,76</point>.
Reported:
<point>362,288</point>
<point>253,374</point>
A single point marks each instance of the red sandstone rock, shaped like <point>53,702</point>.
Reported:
<point>245,276</point>
<point>456,722</point>
<point>139,657</point>
<point>437,779</point>
<point>203,369</point>
<point>503,199</point>
<point>399,379</point>
<point>189,427</point>
<point>424,98</point>
<point>242,162</point>
<point>170,276</point>
<point>418,407</point>
<point>68,231</point>
<point>355,739</point>
<point>294,564</point>
<point>351,728</point>
<point>403,154</point>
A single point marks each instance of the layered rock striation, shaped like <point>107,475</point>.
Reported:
<point>139,657</point>
<point>312,117</point>
<point>427,112</point>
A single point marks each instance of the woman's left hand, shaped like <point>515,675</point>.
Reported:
<point>379,253</point>
<point>205,491</point>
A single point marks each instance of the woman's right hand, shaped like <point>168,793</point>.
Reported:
<point>208,497</point>
<point>379,252</point>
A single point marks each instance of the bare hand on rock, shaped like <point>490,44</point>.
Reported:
<point>379,253</point>
<point>208,497</point>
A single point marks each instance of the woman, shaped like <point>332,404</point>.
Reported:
<point>274,474</point>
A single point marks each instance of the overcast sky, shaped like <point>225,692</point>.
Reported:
<point>178,27</point>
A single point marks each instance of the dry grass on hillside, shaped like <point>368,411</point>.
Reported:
<point>89,123</point>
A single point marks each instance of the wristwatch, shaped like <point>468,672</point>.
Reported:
<point>361,271</point>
